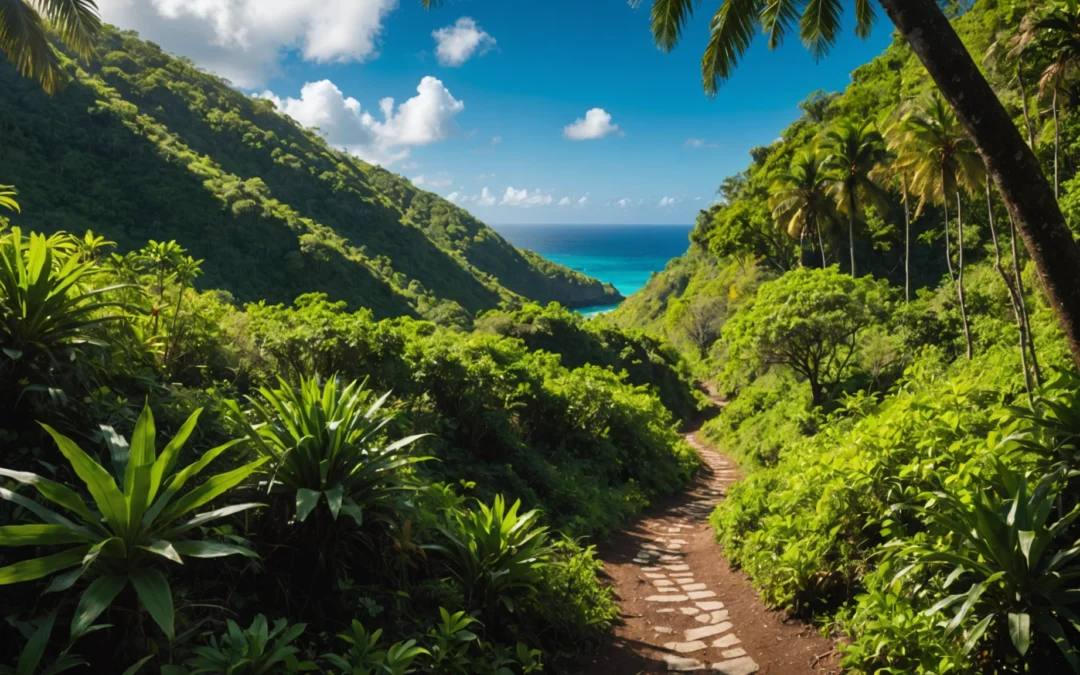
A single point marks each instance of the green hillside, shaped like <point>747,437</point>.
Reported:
<point>141,145</point>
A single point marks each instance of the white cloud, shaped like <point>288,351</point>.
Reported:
<point>565,201</point>
<point>595,124</point>
<point>523,199</point>
<point>697,199</point>
<point>485,198</point>
<point>667,201</point>
<point>623,203</point>
<point>583,201</point>
<point>454,45</point>
<point>423,119</point>
<point>408,166</point>
<point>244,40</point>
<point>433,182</point>
<point>694,143</point>
<point>452,197</point>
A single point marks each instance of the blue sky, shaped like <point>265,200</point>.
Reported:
<point>495,117</point>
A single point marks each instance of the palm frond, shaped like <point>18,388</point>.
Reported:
<point>24,41</point>
<point>820,26</point>
<point>731,32</point>
<point>777,18</point>
<point>668,19</point>
<point>865,16</point>
<point>76,21</point>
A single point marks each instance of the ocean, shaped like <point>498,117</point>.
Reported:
<point>622,255</point>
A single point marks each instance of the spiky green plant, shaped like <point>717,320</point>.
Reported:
<point>326,442</point>
<point>122,535</point>
<point>258,650</point>
<point>495,552</point>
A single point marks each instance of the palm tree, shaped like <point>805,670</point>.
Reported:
<point>800,199</point>
<point>1010,162</point>
<point>944,163</point>
<point>900,174</point>
<point>24,36</point>
<point>854,150</point>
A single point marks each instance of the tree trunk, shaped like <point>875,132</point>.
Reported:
<point>907,241</point>
<point>1057,143</point>
<point>1011,287</point>
<point>948,249</point>
<point>851,235</point>
<point>1024,104</point>
<point>960,276</point>
<point>1012,165</point>
<point>1023,305</point>
<point>821,245</point>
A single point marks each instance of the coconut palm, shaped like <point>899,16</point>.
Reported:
<point>800,200</point>
<point>24,36</point>
<point>853,151</point>
<point>945,164</point>
<point>899,175</point>
<point>1011,163</point>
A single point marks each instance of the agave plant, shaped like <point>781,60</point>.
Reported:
<point>1018,567</point>
<point>324,442</point>
<point>44,299</point>
<point>494,552</point>
<point>259,650</point>
<point>126,531</point>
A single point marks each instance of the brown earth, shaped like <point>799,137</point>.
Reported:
<point>645,640</point>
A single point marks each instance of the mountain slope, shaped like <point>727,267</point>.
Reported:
<point>142,145</point>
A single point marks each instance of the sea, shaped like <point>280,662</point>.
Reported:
<point>622,255</point>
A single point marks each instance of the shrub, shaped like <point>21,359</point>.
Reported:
<point>257,650</point>
<point>130,530</point>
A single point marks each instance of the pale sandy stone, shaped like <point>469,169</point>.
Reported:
<point>663,582</point>
<point>690,586</point>
<point>728,640</point>
<point>733,653</point>
<point>710,605</point>
<point>666,598</point>
<point>718,616</point>
<point>666,630</point>
<point>707,631</point>
<point>665,610</point>
<point>682,663</point>
<point>668,589</point>
<point>701,595</point>
<point>690,610</point>
<point>685,647</point>
<point>653,575</point>
<point>744,665</point>
<point>677,568</point>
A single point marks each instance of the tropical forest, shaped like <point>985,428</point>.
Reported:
<point>269,406</point>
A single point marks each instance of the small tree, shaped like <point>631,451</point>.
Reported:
<point>700,320</point>
<point>808,320</point>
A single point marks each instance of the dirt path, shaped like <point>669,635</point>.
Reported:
<point>683,606</point>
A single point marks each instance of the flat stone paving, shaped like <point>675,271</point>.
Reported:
<point>713,646</point>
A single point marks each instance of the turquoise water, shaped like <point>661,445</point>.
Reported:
<point>624,256</point>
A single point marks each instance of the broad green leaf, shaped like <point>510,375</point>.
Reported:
<point>177,482</point>
<point>38,535</point>
<point>95,599</point>
<point>155,594</point>
<point>209,516</point>
<point>167,460</point>
<point>54,492</point>
<point>110,501</point>
<point>1026,537</point>
<point>334,498</point>
<point>164,549</point>
<point>212,549</point>
<point>135,667</point>
<point>143,452</point>
<point>211,489</point>
<point>35,647</point>
<point>1020,631</point>
<point>306,500</point>
<point>36,568</point>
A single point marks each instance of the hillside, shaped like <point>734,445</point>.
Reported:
<point>141,145</point>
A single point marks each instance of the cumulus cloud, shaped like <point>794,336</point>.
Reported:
<point>433,182</point>
<point>454,45</point>
<point>565,201</point>
<point>485,198</point>
<point>583,201</point>
<point>595,124</point>
<point>623,203</point>
<point>243,40</point>
<point>452,197</point>
<point>523,199</point>
<point>667,201</point>
<point>423,119</point>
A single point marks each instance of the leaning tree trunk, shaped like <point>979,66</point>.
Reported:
<point>1013,166</point>
<point>960,276</point>
<point>1014,300</point>
<point>1023,305</point>
<point>821,244</point>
